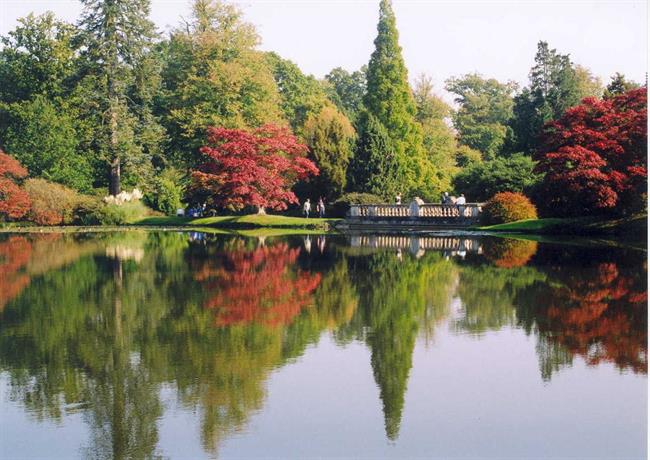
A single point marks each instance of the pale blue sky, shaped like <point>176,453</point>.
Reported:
<point>439,38</point>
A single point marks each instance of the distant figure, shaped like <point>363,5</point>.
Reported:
<point>445,198</point>
<point>398,199</point>
<point>306,208</point>
<point>321,208</point>
<point>460,202</point>
<point>414,207</point>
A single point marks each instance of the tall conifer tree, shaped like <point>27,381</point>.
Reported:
<point>119,37</point>
<point>390,101</point>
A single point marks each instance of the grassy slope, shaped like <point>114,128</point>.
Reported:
<point>248,221</point>
<point>636,226</point>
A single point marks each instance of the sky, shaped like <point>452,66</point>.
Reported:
<point>440,38</point>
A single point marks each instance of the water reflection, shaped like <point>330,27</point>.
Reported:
<point>99,324</point>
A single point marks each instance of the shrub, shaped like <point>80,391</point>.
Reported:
<point>508,207</point>
<point>52,204</point>
<point>114,214</point>
<point>167,192</point>
<point>342,205</point>
<point>14,201</point>
<point>88,210</point>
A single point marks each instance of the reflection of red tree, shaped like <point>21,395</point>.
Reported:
<point>258,286</point>
<point>14,256</point>
<point>600,316</point>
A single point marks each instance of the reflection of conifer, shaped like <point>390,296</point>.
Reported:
<point>394,299</point>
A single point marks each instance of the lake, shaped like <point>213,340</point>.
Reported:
<point>196,345</point>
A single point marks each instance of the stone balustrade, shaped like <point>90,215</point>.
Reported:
<point>413,212</point>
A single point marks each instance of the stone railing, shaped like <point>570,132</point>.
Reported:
<point>415,211</point>
<point>417,243</point>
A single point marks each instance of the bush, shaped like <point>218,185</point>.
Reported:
<point>52,204</point>
<point>126,213</point>
<point>507,207</point>
<point>342,205</point>
<point>88,210</point>
<point>167,192</point>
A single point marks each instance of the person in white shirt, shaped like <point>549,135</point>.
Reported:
<point>460,202</point>
<point>306,208</point>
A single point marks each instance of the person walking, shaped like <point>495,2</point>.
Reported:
<point>306,208</point>
<point>398,199</point>
<point>321,208</point>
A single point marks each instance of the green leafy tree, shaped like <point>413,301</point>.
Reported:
<point>480,181</point>
<point>588,84</point>
<point>330,138</point>
<point>439,140</point>
<point>37,57</point>
<point>214,76</point>
<point>485,108</point>
<point>302,96</point>
<point>553,88</point>
<point>348,89</point>
<point>118,37</point>
<point>43,138</point>
<point>390,101</point>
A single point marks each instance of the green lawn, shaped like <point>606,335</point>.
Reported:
<point>636,226</point>
<point>248,221</point>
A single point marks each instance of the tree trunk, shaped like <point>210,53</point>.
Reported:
<point>114,185</point>
<point>261,211</point>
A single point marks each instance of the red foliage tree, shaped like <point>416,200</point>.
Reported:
<point>600,315</point>
<point>15,253</point>
<point>251,168</point>
<point>595,157</point>
<point>14,201</point>
<point>257,286</point>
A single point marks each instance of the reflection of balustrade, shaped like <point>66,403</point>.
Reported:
<point>427,210</point>
<point>415,243</point>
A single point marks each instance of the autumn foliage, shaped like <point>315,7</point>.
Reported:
<point>595,157</point>
<point>509,252</point>
<point>14,201</point>
<point>52,204</point>
<point>251,168</point>
<point>601,316</point>
<point>257,286</point>
<point>15,253</point>
<point>508,207</point>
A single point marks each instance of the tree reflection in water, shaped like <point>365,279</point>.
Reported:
<point>99,324</point>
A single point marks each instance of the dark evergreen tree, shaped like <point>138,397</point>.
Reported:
<point>619,85</point>
<point>118,38</point>
<point>554,87</point>
<point>374,168</point>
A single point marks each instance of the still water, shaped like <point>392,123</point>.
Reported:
<point>194,345</point>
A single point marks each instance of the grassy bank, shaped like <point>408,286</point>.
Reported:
<point>632,227</point>
<point>250,221</point>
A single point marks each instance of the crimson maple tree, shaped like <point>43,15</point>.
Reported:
<point>595,157</point>
<point>251,168</point>
<point>14,201</point>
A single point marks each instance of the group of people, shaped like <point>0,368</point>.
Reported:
<point>320,208</point>
<point>447,199</point>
